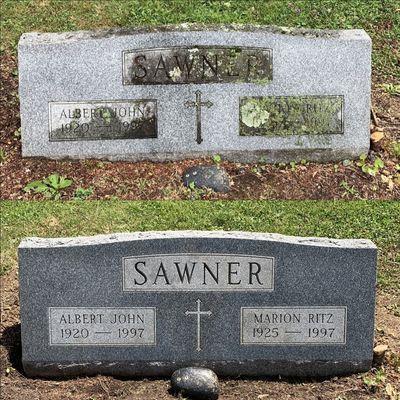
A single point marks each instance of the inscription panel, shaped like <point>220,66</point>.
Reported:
<point>198,272</point>
<point>197,64</point>
<point>102,120</point>
<point>73,326</point>
<point>291,115</point>
<point>293,325</point>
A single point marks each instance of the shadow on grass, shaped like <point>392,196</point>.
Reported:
<point>11,340</point>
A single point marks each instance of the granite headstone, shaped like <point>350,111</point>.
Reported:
<point>238,303</point>
<point>248,93</point>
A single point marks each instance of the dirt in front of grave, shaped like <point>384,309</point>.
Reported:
<point>149,180</point>
<point>16,386</point>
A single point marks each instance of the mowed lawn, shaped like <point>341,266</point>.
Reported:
<point>375,220</point>
<point>380,18</point>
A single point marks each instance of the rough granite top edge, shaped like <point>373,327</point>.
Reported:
<point>59,37</point>
<point>35,242</point>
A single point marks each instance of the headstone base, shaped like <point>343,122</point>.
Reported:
<point>221,368</point>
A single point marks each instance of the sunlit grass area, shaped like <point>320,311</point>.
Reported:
<point>375,220</point>
<point>380,18</point>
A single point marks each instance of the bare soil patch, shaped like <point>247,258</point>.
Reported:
<point>149,180</point>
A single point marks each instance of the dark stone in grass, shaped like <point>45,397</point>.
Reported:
<point>207,176</point>
<point>195,383</point>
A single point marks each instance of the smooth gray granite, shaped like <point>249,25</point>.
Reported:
<point>240,303</point>
<point>248,93</point>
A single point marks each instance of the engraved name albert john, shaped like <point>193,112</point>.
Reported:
<point>198,272</point>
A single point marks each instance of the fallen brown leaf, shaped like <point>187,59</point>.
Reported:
<point>377,136</point>
<point>380,349</point>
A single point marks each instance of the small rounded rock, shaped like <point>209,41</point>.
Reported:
<point>195,383</point>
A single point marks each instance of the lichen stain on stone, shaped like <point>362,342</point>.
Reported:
<point>175,74</point>
<point>287,116</point>
<point>253,115</point>
<point>187,27</point>
<point>261,81</point>
<point>199,64</point>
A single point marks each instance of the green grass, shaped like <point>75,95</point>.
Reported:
<point>376,220</point>
<point>380,18</point>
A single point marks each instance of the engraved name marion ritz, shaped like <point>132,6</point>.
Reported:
<point>293,325</point>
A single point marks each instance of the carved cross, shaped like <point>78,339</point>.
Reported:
<point>199,314</point>
<point>198,104</point>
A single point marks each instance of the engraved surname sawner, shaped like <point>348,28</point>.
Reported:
<point>102,120</point>
<point>102,326</point>
<point>293,325</point>
<point>197,64</point>
<point>198,272</point>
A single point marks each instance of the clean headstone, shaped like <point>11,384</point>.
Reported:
<point>238,303</point>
